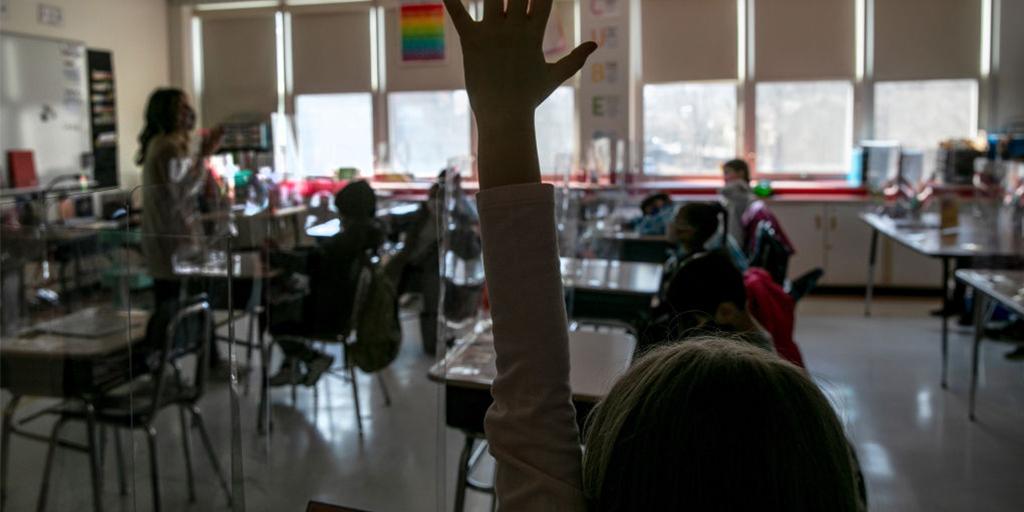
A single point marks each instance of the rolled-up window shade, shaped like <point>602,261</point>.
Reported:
<point>926,39</point>
<point>422,76</point>
<point>689,40</point>
<point>331,51</point>
<point>804,39</point>
<point>239,65</point>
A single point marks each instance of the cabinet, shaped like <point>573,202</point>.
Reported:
<point>847,245</point>
<point>831,235</point>
<point>802,223</point>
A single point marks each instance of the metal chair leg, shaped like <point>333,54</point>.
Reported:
<point>186,444</point>
<point>462,481</point>
<point>204,436</point>
<point>122,483</point>
<point>249,339</point>
<point>5,445</point>
<point>95,470</point>
<point>384,389</point>
<point>154,468</point>
<point>355,389</point>
<point>44,488</point>
<point>295,369</point>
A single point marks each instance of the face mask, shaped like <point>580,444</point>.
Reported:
<point>188,120</point>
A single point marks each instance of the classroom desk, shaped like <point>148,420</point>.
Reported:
<point>974,237</point>
<point>69,367</point>
<point>633,246</point>
<point>596,360</point>
<point>1005,288</point>
<point>610,289</point>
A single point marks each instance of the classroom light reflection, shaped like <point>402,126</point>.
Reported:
<point>924,407</point>
<point>875,461</point>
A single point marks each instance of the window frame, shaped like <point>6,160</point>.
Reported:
<point>642,139</point>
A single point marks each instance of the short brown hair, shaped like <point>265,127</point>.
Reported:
<point>714,424</point>
<point>738,166</point>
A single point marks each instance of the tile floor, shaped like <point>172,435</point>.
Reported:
<point>917,448</point>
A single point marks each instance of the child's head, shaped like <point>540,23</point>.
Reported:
<point>356,201</point>
<point>655,203</point>
<point>736,170</point>
<point>715,297</point>
<point>695,224</point>
<point>714,424</point>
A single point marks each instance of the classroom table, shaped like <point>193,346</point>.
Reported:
<point>79,364</point>
<point>1002,287</point>
<point>974,237</point>
<point>633,246</point>
<point>596,360</point>
<point>610,289</point>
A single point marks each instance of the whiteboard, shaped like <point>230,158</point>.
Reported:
<point>43,104</point>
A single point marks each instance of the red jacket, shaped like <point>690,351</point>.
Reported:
<point>775,310</point>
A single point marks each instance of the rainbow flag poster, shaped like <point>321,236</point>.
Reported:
<point>422,29</point>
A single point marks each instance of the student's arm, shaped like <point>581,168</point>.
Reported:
<point>531,426</point>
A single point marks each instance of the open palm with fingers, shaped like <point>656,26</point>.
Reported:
<point>507,77</point>
<point>505,67</point>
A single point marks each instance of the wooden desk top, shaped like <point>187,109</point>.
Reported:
<point>973,237</point>
<point>612,276</point>
<point>1004,286</point>
<point>596,360</point>
<point>36,344</point>
<point>246,265</point>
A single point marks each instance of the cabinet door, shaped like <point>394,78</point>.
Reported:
<point>904,267</point>
<point>847,244</point>
<point>803,224</point>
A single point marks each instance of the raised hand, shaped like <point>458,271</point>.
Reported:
<point>507,77</point>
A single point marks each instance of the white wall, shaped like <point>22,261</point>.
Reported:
<point>135,31</point>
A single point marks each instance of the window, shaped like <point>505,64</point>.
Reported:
<point>334,131</point>
<point>920,114</point>
<point>556,131</point>
<point>427,129</point>
<point>804,127</point>
<point>688,127</point>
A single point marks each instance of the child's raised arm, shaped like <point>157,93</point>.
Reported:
<point>531,426</point>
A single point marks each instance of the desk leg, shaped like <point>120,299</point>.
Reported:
<point>462,482</point>
<point>869,292</point>
<point>5,444</point>
<point>945,322</point>
<point>979,329</point>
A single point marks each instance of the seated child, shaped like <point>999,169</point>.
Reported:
<point>707,296</point>
<point>695,228</point>
<point>333,276</point>
<point>657,214</point>
<point>737,197</point>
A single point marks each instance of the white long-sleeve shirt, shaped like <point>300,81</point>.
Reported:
<point>531,425</point>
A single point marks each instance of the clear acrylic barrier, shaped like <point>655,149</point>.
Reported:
<point>277,446</point>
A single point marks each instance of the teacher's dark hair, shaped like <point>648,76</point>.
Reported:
<point>162,114</point>
<point>715,424</point>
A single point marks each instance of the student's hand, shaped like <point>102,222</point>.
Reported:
<point>212,141</point>
<point>507,77</point>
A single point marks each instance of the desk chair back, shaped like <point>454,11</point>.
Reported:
<point>771,251</point>
<point>176,332</point>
